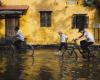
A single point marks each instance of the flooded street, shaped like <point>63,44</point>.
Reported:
<point>47,65</point>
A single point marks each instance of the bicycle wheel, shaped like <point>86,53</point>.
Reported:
<point>72,54</point>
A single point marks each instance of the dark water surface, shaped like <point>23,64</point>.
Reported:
<point>47,65</point>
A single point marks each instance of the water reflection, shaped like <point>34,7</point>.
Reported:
<point>87,71</point>
<point>45,73</point>
<point>46,66</point>
<point>13,67</point>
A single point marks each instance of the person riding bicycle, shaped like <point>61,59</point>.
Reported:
<point>87,42</point>
<point>63,40</point>
<point>19,38</point>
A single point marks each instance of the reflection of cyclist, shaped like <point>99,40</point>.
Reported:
<point>86,43</point>
<point>19,38</point>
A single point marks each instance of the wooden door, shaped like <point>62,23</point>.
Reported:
<point>11,23</point>
<point>97,34</point>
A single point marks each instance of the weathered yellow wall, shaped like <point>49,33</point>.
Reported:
<point>61,19</point>
<point>2,28</point>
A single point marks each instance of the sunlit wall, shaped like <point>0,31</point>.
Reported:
<point>61,19</point>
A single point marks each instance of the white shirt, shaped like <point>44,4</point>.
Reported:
<point>89,36</point>
<point>63,38</point>
<point>20,35</point>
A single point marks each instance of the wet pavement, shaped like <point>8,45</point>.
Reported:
<point>47,65</point>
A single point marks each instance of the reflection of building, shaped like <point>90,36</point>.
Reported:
<point>41,20</point>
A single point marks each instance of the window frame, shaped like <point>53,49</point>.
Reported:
<point>75,23</point>
<point>45,18</point>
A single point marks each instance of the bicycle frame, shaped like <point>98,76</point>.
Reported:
<point>77,46</point>
<point>72,48</point>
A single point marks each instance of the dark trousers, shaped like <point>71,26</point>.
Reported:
<point>62,44</point>
<point>85,46</point>
<point>18,44</point>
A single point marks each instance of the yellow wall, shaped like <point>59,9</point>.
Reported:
<point>61,19</point>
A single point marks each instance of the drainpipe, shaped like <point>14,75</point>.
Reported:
<point>97,4</point>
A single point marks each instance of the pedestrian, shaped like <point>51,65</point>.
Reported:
<point>63,41</point>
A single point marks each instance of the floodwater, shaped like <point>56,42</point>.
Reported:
<point>47,65</point>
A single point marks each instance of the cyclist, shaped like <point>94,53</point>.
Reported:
<point>19,38</point>
<point>87,42</point>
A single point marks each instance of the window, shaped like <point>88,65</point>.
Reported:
<point>80,21</point>
<point>45,18</point>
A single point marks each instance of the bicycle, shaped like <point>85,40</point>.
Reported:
<point>94,52</point>
<point>8,45</point>
<point>73,49</point>
<point>63,59</point>
<point>85,54</point>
